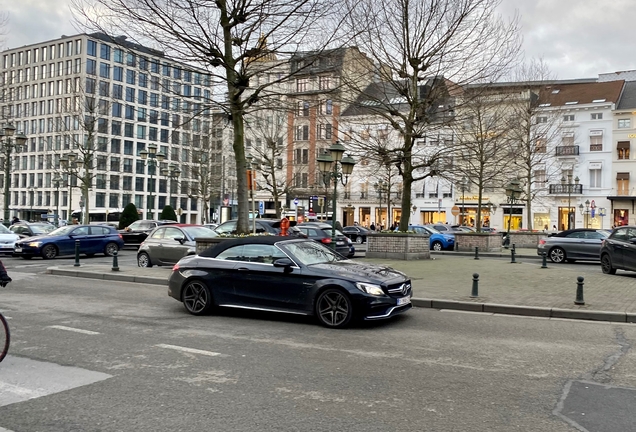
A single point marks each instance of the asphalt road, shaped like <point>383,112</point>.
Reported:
<point>94,356</point>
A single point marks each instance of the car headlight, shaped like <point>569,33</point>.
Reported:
<point>369,288</point>
<point>35,244</point>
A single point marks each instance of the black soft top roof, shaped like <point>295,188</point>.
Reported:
<point>213,251</point>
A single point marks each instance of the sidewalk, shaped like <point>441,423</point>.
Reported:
<point>446,280</point>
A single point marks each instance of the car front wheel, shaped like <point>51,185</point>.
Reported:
<point>334,308</point>
<point>143,260</point>
<point>110,249</point>
<point>197,298</point>
<point>606,264</point>
<point>437,246</point>
<point>49,252</point>
<point>557,255</point>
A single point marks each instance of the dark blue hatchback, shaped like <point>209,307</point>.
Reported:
<point>93,239</point>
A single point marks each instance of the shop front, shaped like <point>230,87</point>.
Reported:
<point>364,216</point>
<point>430,212</point>
<point>513,218</point>
<point>541,219</point>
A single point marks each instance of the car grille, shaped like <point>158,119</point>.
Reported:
<point>400,289</point>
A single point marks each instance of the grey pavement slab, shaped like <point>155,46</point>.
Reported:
<point>445,282</point>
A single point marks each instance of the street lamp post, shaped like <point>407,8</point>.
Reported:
<point>172,173</point>
<point>380,187</point>
<point>152,159</point>
<point>569,186</point>
<point>463,184</point>
<point>513,192</point>
<point>337,168</point>
<point>585,211</point>
<point>57,182</point>
<point>9,141</point>
<point>31,190</point>
<point>251,177</point>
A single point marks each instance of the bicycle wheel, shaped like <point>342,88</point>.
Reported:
<point>5,337</point>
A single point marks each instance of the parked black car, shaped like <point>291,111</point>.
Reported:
<point>321,232</point>
<point>618,251</point>
<point>30,229</point>
<point>297,276</point>
<point>356,233</point>
<point>136,232</point>
<point>271,226</point>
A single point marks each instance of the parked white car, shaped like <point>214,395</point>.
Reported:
<point>7,240</point>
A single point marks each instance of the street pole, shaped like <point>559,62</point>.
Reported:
<point>11,141</point>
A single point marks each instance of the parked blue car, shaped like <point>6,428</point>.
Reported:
<point>438,241</point>
<point>93,239</point>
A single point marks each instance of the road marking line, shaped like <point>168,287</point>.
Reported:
<point>72,329</point>
<point>189,350</point>
<point>5,430</point>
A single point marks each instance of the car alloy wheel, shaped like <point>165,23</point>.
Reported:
<point>49,252</point>
<point>110,249</point>
<point>197,298</point>
<point>437,246</point>
<point>334,309</point>
<point>557,255</point>
<point>359,240</point>
<point>606,264</point>
<point>143,260</point>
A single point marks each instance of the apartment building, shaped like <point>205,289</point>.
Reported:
<point>113,104</point>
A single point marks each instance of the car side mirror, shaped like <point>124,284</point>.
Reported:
<point>180,239</point>
<point>632,240</point>
<point>286,263</point>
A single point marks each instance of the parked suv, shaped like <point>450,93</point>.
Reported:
<point>136,232</point>
<point>618,251</point>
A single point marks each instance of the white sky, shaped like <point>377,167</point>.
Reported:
<point>576,38</point>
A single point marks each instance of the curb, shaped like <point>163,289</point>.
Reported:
<point>114,276</point>
<point>591,315</point>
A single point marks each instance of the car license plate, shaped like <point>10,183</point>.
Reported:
<point>340,243</point>
<point>18,249</point>
<point>403,301</point>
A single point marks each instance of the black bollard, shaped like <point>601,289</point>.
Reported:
<point>77,249</point>
<point>475,292</point>
<point>115,264</point>
<point>545,260</point>
<point>512,255</point>
<point>476,252</point>
<point>579,291</point>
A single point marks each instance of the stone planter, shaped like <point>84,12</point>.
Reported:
<point>526,239</point>
<point>486,242</point>
<point>205,242</point>
<point>401,246</point>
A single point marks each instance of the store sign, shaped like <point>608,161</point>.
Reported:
<point>631,136</point>
<point>596,165</point>
<point>474,198</point>
<point>429,203</point>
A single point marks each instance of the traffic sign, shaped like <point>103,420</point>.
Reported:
<point>295,201</point>
<point>593,204</point>
<point>455,211</point>
<point>261,208</point>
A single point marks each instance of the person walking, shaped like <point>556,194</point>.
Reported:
<point>4,276</point>
<point>372,227</point>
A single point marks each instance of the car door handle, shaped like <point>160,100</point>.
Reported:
<point>243,269</point>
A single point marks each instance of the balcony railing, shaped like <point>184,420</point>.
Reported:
<point>567,150</point>
<point>560,189</point>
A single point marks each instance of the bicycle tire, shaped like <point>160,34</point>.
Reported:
<point>5,338</point>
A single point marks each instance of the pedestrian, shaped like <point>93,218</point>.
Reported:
<point>554,228</point>
<point>15,220</point>
<point>372,227</point>
<point>4,276</point>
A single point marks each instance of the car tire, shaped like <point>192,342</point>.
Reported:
<point>143,260</point>
<point>333,308</point>
<point>197,297</point>
<point>437,246</point>
<point>359,240</point>
<point>111,248</point>
<point>557,255</point>
<point>606,264</point>
<point>49,251</point>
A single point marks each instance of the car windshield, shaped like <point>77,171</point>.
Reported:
<point>63,230</point>
<point>311,252</point>
<point>330,230</point>
<point>431,230</point>
<point>4,230</point>
<point>199,231</point>
<point>41,229</point>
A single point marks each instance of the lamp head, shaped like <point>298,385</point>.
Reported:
<point>143,154</point>
<point>324,162</point>
<point>336,150</point>
<point>152,148</point>
<point>20,139</point>
<point>161,157</point>
<point>9,130</point>
<point>347,163</point>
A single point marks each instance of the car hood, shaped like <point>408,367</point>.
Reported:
<point>9,237</point>
<point>360,272</point>
<point>36,238</point>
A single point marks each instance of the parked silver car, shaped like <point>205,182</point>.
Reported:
<point>574,244</point>
<point>167,244</point>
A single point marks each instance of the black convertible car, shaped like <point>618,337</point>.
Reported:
<point>282,274</point>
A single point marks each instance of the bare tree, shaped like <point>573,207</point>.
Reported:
<point>425,51</point>
<point>224,37</point>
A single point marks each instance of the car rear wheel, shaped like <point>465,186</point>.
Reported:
<point>437,246</point>
<point>557,255</point>
<point>606,265</point>
<point>334,308</point>
<point>359,240</point>
<point>197,298</point>
<point>110,249</point>
<point>143,260</point>
<point>49,252</point>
